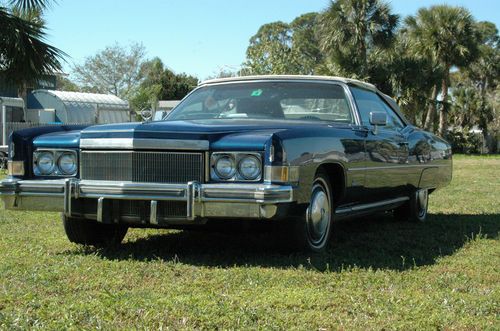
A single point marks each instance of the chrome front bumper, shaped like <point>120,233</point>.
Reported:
<point>233,200</point>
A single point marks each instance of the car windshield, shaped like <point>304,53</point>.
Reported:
<point>309,101</point>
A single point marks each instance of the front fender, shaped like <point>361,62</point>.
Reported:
<point>21,144</point>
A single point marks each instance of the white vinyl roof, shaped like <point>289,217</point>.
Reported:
<point>291,77</point>
<point>86,98</point>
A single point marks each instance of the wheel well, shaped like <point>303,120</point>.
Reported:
<point>336,176</point>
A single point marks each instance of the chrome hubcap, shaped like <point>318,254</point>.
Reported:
<point>422,201</point>
<point>319,215</point>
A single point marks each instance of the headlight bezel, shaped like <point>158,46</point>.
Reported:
<point>56,170</point>
<point>236,158</point>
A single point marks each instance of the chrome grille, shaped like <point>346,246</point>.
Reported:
<point>142,166</point>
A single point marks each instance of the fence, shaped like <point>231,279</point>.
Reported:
<point>13,126</point>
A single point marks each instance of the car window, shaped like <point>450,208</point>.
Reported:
<point>368,101</point>
<point>304,101</point>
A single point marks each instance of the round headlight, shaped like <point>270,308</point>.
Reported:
<point>225,167</point>
<point>45,163</point>
<point>249,167</point>
<point>67,163</point>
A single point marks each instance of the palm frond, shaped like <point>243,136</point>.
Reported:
<point>28,5</point>
<point>24,55</point>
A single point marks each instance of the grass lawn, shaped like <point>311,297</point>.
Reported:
<point>378,273</point>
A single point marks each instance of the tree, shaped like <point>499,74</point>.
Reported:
<point>63,83</point>
<point>447,35</point>
<point>484,72</point>
<point>160,83</point>
<point>114,70</point>
<point>305,46</point>
<point>281,48</point>
<point>475,87</point>
<point>411,79</point>
<point>350,30</point>
<point>25,57</point>
<point>270,50</point>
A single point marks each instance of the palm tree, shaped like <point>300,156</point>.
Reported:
<point>25,57</point>
<point>446,35</point>
<point>349,30</point>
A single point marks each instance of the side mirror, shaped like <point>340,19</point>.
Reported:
<point>377,118</point>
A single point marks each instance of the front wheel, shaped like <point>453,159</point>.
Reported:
<point>90,232</point>
<point>312,231</point>
<point>415,209</point>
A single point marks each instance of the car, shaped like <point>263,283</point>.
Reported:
<point>299,151</point>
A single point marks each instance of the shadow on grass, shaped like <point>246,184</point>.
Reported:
<point>377,242</point>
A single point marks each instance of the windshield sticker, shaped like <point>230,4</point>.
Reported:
<point>256,93</point>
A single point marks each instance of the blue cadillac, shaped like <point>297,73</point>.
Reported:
<point>305,151</point>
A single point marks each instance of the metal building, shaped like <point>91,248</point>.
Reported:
<point>49,106</point>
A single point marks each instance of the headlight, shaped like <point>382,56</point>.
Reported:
<point>55,162</point>
<point>67,163</point>
<point>44,163</point>
<point>225,167</point>
<point>249,167</point>
<point>235,166</point>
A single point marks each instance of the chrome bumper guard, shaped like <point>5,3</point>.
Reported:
<point>256,200</point>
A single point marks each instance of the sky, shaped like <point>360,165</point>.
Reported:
<point>198,37</point>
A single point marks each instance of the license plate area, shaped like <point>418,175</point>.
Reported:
<point>130,211</point>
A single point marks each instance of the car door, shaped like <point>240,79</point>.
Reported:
<point>386,148</point>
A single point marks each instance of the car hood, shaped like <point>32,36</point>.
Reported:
<point>221,134</point>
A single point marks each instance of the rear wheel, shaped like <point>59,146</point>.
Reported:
<point>312,231</point>
<point>415,209</point>
<point>90,232</point>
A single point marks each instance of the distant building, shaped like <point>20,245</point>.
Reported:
<point>48,106</point>
<point>164,107</point>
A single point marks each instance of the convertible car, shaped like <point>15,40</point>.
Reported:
<point>305,151</point>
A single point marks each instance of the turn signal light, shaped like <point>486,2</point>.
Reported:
<point>15,168</point>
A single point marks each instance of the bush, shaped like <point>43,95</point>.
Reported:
<point>465,142</point>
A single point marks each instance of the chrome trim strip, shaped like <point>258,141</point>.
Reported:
<point>143,143</point>
<point>100,203</point>
<point>36,194</point>
<point>377,204</point>
<point>423,165</point>
<point>153,216</point>
<point>190,192</point>
<point>67,197</point>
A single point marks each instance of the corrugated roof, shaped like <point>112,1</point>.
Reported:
<point>80,97</point>
<point>300,77</point>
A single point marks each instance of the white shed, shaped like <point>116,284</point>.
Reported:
<point>76,107</point>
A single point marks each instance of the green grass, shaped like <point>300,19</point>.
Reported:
<point>378,273</point>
